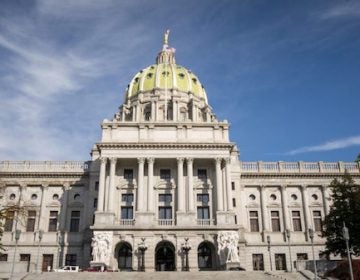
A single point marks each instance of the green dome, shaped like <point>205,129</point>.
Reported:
<point>166,76</point>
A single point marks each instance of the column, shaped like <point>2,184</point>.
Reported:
<point>304,195</point>
<point>151,198</point>
<point>180,185</point>
<point>44,187</point>
<point>101,197</point>
<point>264,215</point>
<point>284,207</point>
<point>111,191</point>
<point>189,162</point>
<point>140,194</point>
<point>219,188</point>
<point>63,209</point>
<point>134,113</point>
<point>325,199</point>
<point>228,184</point>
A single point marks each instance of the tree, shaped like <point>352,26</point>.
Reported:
<point>345,209</point>
<point>6,213</point>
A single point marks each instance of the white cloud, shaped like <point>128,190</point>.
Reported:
<point>345,9</point>
<point>328,146</point>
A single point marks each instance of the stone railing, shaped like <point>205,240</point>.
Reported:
<point>44,166</point>
<point>204,222</point>
<point>165,222</point>
<point>127,222</point>
<point>299,167</point>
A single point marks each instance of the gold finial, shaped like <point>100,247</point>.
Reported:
<point>166,37</point>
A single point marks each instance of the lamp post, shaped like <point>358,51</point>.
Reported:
<point>288,239</point>
<point>269,249</point>
<point>142,247</point>
<point>311,235</point>
<point>347,237</point>
<point>40,232</point>
<point>17,237</point>
<point>186,248</point>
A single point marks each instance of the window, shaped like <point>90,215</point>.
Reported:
<point>147,115</point>
<point>234,202</point>
<point>3,257</point>
<point>165,174</point>
<point>302,256</point>
<point>53,220</point>
<point>9,221</point>
<point>254,221</point>
<point>165,213</point>
<point>280,262</point>
<point>317,220</point>
<point>75,221</point>
<point>203,198</point>
<point>202,174</point>
<point>55,197</point>
<point>77,196</point>
<point>126,212</point>
<point>95,202</point>
<point>233,186</point>
<point>203,213</point>
<point>128,174</point>
<point>30,225</point>
<point>167,198</point>
<point>258,261</point>
<point>296,220</point>
<point>275,221</point>
<point>127,197</point>
<point>235,219</point>
<point>34,197</point>
<point>25,257</point>
<point>96,186</point>
<point>70,259</point>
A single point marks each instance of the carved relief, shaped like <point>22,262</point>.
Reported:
<point>101,244</point>
<point>227,246</point>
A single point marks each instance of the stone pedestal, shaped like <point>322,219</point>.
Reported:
<point>232,265</point>
<point>185,219</point>
<point>102,218</point>
<point>102,266</point>
<point>145,219</point>
<point>225,218</point>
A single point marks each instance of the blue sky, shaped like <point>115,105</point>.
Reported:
<point>285,74</point>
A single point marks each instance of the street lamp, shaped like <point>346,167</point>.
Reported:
<point>186,248</point>
<point>269,249</point>
<point>40,232</point>
<point>17,237</point>
<point>311,235</point>
<point>288,239</point>
<point>142,247</point>
<point>347,237</point>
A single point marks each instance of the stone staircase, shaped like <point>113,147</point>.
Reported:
<point>203,275</point>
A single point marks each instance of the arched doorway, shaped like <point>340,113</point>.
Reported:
<point>206,256</point>
<point>124,256</point>
<point>165,256</point>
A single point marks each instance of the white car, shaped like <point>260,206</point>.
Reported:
<point>67,268</point>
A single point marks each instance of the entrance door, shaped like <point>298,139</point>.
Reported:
<point>125,257</point>
<point>26,258</point>
<point>47,262</point>
<point>165,256</point>
<point>205,256</point>
<point>258,262</point>
<point>280,262</point>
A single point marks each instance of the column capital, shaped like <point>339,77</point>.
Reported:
<point>303,187</point>
<point>44,186</point>
<point>262,187</point>
<point>283,187</point>
<point>324,187</point>
<point>113,160</point>
<point>227,160</point>
<point>150,160</point>
<point>141,160</point>
<point>180,160</point>
<point>103,160</point>
<point>218,160</point>
<point>189,160</point>
<point>66,186</point>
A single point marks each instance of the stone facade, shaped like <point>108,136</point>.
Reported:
<point>163,180</point>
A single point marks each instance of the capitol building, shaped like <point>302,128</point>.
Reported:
<point>165,189</point>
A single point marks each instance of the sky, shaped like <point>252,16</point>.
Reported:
<point>285,74</point>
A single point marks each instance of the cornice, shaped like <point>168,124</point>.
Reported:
<point>164,146</point>
<point>25,174</point>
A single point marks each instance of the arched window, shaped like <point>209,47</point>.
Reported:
<point>205,256</point>
<point>125,257</point>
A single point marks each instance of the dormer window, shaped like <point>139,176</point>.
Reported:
<point>181,75</point>
<point>194,80</point>
<point>165,73</point>
<point>149,75</point>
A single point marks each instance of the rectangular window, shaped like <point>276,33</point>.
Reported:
<point>235,218</point>
<point>203,198</point>
<point>165,174</point>
<point>233,186</point>
<point>53,220</point>
<point>75,221</point>
<point>165,213</point>
<point>234,202</point>
<point>203,213</point>
<point>30,224</point>
<point>9,221</point>
<point>95,202</point>
<point>317,220</point>
<point>70,259</point>
<point>302,256</point>
<point>202,174</point>
<point>128,174</point>
<point>296,220</point>
<point>127,213</point>
<point>280,262</point>
<point>127,197</point>
<point>167,198</point>
<point>254,221</point>
<point>258,261</point>
<point>275,221</point>
<point>3,257</point>
<point>25,257</point>
<point>96,186</point>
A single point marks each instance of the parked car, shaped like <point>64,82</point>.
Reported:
<point>96,269</point>
<point>67,268</point>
